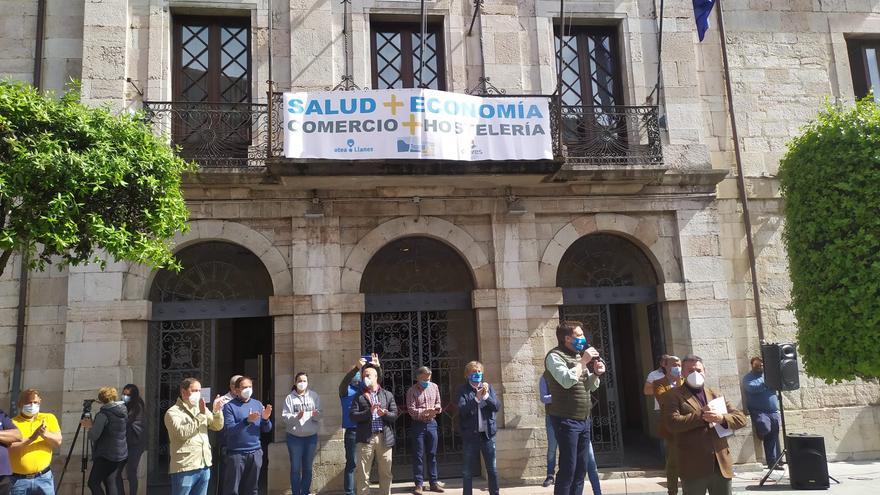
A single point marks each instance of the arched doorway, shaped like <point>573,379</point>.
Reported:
<point>419,313</point>
<point>209,321</point>
<point>609,284</point>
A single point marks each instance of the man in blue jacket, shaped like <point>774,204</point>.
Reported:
<point>763,406</point>
<point>244,418</point>
<point>477,406</point>
<point>349,388</point>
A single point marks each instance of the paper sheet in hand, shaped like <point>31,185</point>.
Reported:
<point>206,395</point>
<point>718,406</point>
<point>306,416</point>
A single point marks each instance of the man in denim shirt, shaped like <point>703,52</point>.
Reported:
<point>763,406</point>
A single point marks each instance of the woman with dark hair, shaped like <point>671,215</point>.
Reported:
<point>136,438</point>
<point>107,434</point>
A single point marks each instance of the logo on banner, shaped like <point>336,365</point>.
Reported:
<point>413,145</point>
<point>350,147</point>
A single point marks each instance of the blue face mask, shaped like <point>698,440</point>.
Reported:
<point>425,383</point>
<point>356,380</point>
<point>579,343</point>
<point>675,371</point>
<point>476,377</point>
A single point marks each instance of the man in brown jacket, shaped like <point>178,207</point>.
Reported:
<point>704,460</point>
<point>662,387</point>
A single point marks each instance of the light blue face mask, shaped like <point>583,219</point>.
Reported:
<point>425,383</point>
<point>356,380</point>
<point>579,343</point>
<point>476,377</point>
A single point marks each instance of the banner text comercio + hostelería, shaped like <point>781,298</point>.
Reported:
<point>415,124</point>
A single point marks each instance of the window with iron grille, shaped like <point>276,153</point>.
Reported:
<point>590,66</point>
<point>864,62</point>
<point>212,119</point>
<point>397,52</point>
<point>212,59</point>
<point>595,124</point>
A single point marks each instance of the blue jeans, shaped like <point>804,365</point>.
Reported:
<point>770,439</point>
<point>191,482</point>
<point>576,458</point>
<point>473,446</point>
<point>43,484</point>
<point>592,467</point>
<point>551,446</point>
<point>302,455</point>
<point>350,465</point>
<point>424,437</point>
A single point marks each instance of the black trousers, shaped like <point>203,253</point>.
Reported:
<point>5,485</point>
<point>129,468</point>
<point>102,477</point>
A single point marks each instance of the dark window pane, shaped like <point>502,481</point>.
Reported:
<point>397,57</point>
<point>212,60</point>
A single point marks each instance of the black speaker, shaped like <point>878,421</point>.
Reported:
<point>807,464</point>
<point>780,366</point>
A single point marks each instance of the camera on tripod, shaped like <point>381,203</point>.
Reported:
<point>86,414</point>
<point>87,409</point>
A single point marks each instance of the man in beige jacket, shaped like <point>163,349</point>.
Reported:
<point>188,422</point>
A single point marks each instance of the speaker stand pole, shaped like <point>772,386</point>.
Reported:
<point>784,452</point>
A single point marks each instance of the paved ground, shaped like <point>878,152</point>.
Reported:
<point>856,478</point>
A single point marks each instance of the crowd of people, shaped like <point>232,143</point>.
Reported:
<point>695,420</point>
<point>117,435</point>
<point>692,418</point>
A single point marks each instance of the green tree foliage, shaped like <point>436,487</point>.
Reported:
<point>831,184</point>
<point>76,179</point>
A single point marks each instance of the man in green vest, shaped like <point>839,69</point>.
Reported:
<point>568,375</point>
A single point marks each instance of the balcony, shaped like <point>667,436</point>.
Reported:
<point>610,136</point>
<point>216,136</point>
<point>242,137</point>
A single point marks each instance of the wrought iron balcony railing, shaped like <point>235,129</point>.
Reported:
<point>241,136</point>
<point>611,135</point>
<point>214,135</point>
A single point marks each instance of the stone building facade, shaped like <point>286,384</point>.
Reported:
<point>276,287</point>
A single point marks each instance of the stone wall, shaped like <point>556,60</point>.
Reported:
<point>87,328</point>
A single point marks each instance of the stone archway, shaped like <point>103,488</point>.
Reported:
<point>139,279</point>
<point>436,228</point>
<point>641,232</point>
<point>609,284</point>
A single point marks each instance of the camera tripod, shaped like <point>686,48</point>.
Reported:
<point>86,414</point>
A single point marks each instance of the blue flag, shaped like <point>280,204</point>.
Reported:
<point>702,9</point>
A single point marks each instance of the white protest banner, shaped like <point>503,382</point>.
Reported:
<point>415,124</point>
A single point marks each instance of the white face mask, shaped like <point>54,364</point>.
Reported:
<point>194,397</point>
<point>246,393</point>
<point>301,386</point>
<point>30,410</point>
<point>696,379</point>
<point>368,382</point>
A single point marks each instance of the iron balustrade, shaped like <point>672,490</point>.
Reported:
<point>243,135</point>
<point>214,135</point>
<point>611,135</point>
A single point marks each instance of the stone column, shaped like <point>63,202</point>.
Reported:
<point>105,44</point>
<point>105,344</point>
<point>520,342</point>
<point>707,306</point>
